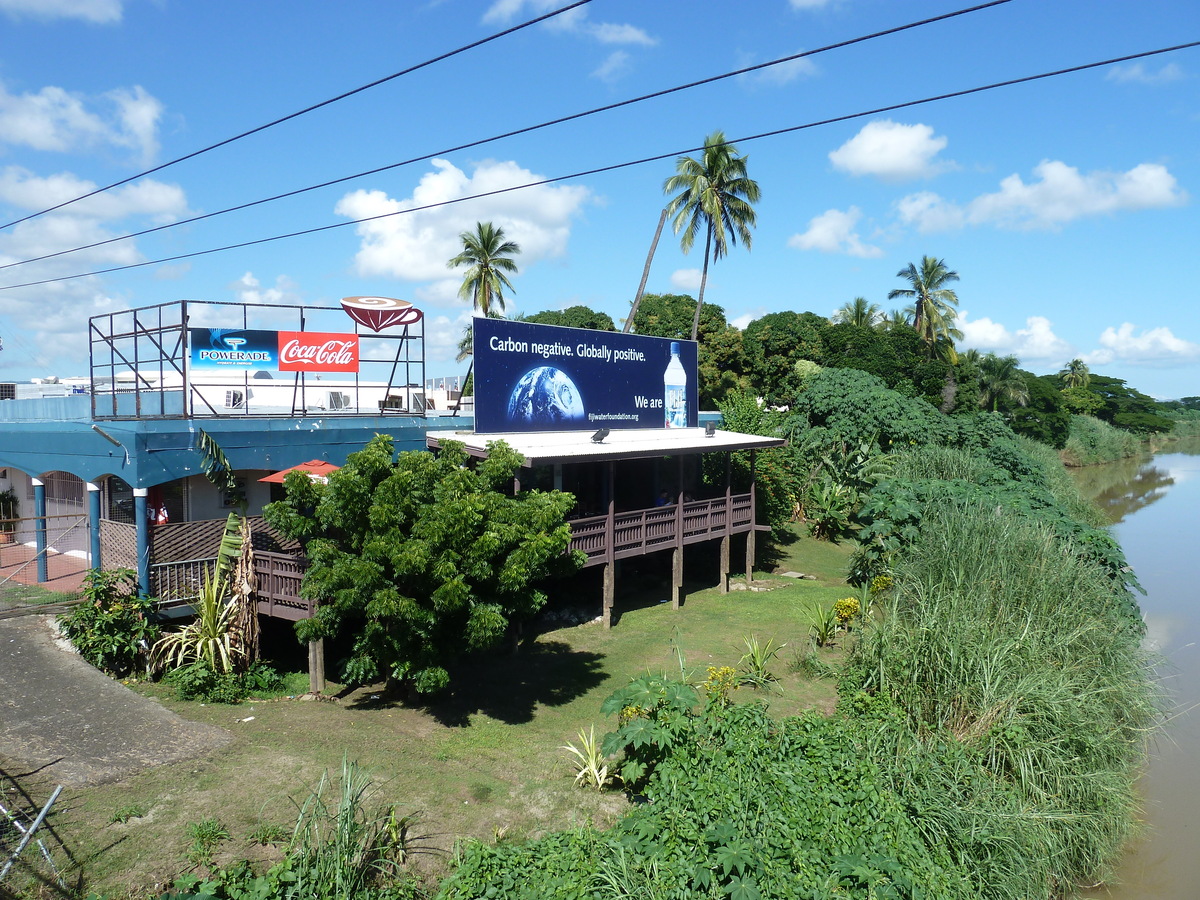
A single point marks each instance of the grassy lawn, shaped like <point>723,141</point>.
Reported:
<point>484,760</point>
<point>13,595</point>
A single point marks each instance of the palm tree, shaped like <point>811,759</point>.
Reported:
<point>1001,379</point>
<point>714,191</point>
<point>858,312</point>
<point>1075,374</point>
<point>933,311</point>
<point>487,254</point>
<point>893,320</point>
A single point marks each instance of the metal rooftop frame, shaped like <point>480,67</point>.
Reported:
<point>140,365</point>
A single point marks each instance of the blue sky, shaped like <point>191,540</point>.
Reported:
<point>1066,205</point>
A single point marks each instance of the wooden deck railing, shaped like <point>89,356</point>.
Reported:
<point>642,531</point>
<point>278,591</point>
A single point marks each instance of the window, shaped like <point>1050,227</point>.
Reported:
<point>8,391</point>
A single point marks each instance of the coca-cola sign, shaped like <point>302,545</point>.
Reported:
<point>315,351</point>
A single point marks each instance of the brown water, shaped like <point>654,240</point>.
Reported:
<point>1155,503</point>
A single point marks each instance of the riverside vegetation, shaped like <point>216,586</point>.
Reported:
<point>968,724</point>
<point>993,705</point>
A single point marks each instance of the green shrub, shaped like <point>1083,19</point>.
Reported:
<point>1095,441</point>
<point>199,681</point>
<point>113,628</point>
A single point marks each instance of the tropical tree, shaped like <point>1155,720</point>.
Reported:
<point>933,309</point>
<point>419,558</point>
<point>894,320</point>
<point>1075,374</point>
<point>1000,379</point>
<point>487,256</point>
<point>713,191</point>
<point>858,312</point>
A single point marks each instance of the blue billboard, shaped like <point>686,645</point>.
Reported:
<point>546,378</point>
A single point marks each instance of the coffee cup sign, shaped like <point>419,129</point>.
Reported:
<point>378,313</point>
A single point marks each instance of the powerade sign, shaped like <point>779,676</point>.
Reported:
<point>546,378</point>
<point>277,351</point>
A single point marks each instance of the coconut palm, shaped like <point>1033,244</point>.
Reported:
<point>893,320</point>
<point>1001,379</point>
<point>858,312</point>
<point>713,191</point>
<point>933,309</point>
<point>1075,374</point>
<point>488,257</point>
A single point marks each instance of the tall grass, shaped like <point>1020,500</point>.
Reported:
<point>343,847</point>
<point>1095,441</point>
<point>1026,699</point>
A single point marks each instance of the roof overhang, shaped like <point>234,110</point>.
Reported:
<point>549,447</point>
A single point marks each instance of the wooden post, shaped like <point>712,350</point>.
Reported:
<point>677,555</point>
<point>316,666</point>
<point>610,581</point>
<point>610,564</point>
<point>723,562</point>
<point>753,522</point>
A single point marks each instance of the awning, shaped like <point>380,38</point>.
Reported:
<point>316,469</point>
<point>548,447</point>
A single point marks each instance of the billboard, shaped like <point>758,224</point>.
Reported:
<point>546,378</point>
<point>275,351</point>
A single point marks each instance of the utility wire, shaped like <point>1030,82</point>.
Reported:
<point>625,165</point>
<point>307,109</point>
<point>508,134</point>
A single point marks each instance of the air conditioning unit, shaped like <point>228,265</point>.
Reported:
<point>8,391</point>
<point>339,400</point>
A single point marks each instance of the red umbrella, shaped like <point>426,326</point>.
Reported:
<point>316,469</point>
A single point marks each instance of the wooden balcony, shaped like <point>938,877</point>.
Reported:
<point>643,531</point>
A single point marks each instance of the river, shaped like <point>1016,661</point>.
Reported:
<point>1154,504</point>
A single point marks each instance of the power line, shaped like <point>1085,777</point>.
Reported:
<point>623,165</point>
<point>307,109</point>
<point>508,134</point>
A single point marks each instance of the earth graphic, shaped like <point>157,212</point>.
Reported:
<point>545,396</point>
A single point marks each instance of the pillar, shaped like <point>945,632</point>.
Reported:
<point>610,590</point>
<point>93,492</point>
<point>316,666</point>
<point>39,529</point>
<point>723,564</point>
<point>142,522</point>
<point>676,577</point>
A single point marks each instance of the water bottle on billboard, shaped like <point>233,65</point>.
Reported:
<point>675,390</point>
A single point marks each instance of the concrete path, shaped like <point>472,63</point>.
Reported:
<point>77,725</point>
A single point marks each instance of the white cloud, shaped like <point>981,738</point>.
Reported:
<point>1152,346</point>
<point>615,65</point>
<point>779,74</point>
<point>1139,74</point>
<point>1060,195</point>
<point>1036,341</point>
<point>442,334</point>
<point>58,121</point>
<point>574,21</point>
<point>891,151</point>
<point>686,279</point>
<point>415,246</point>
<point>248,289</point>
<point>810,4</point>
<point>147,197</point>
<point>833,232</point>
<point>99,11</point>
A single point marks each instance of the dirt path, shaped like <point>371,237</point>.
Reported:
<point>75,725</point>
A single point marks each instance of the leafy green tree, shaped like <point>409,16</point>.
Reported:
<point>488,257</point>
<point>858,312</point>
<point>1042,416</point>
<point>933,304</point>
<point>1128,408</point>
<point>713,191</point>
<point>776,342</point>
<point>1000,379</point>
<point>418,559</point>
<point>573,317</point>
<point>1081,401</point>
